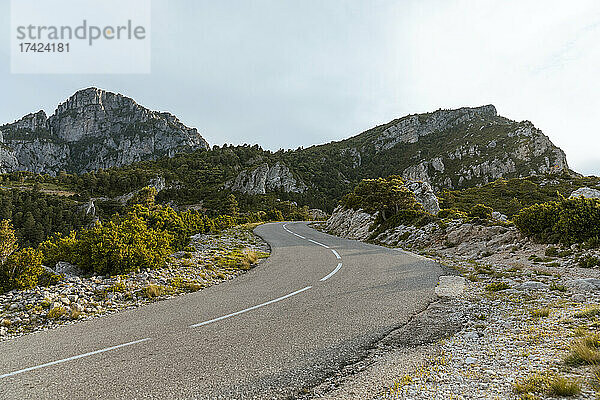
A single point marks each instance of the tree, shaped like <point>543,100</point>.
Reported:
<point>8,240</point>
<point>231,206</point>
<point>384,195</point>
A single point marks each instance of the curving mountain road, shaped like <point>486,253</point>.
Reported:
<point>316,304</point>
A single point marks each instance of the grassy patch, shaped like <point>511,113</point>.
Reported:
<point>547,384</point>
<point>56,313</point>
<point>584,351</point>
<point>588,313</point>
<point>152,291</point>
<point>558,287</point>
<point>240,259</point>
<point>540,312</point>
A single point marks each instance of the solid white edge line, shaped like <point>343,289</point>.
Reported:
<point>336,254</point>
<point>72,358</point>
<point>331,273</point>
<point>250,308</point>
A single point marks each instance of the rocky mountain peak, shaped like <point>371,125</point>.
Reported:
<point>94,129</point>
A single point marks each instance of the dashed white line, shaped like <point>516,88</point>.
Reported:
<point>72,358</point>
<point>320,244</point>
<point>251,308</point>
<point>337,255</point>
<point>293,233</point>
<point>331,273</point>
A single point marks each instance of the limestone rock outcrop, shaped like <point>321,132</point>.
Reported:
<point>93,129</point>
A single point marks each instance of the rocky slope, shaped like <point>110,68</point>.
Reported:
<point>93,129</point>
<point>449,149</point>
<point>265,179</point>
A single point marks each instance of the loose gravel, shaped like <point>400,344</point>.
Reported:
<point>78,298</point>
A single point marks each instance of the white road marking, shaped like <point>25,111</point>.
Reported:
<point>337,255</point>
<point>72,358</point>
<point>250,308</point>
<point>320,244</point>
<point>293,233</point>
<point>331,273</point>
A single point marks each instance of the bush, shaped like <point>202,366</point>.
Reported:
<point>142,238</point>
<point>566,221</point>
<point>481,211</point>
<point>22,269</point>
<point>274,215</point>
<point>497,286</point>
<point>452,213</point>
<point>384,195</point>
<point>588,261</point>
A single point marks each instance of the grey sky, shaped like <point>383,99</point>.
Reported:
<point>295,73</point>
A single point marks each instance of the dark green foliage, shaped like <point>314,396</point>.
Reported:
<point>509,196</point>
<point>566,221</point>
<point>481,211</point>
<point>588,261</point>
<point>274,215</point>
<point>384,195</point>
<point>452,213</point>
<point>37,215</point>
<point>415,217</point>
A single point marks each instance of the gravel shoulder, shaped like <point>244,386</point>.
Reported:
<point>522,312</point>
<point>211,259</point>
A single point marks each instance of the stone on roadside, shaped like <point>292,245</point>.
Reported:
<point>450,286</point>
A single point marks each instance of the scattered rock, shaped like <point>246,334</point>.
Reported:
<point>450,286</point>
<point>583,285</point>
<point>578,298</point>
<point>586,192</point>
<point>535,285</point>
<point>67,269</point>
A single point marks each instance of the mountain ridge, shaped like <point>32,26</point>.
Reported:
<point>90,130</point>
<point>447,148</point>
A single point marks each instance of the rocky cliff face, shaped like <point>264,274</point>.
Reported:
<point>265,179</point>
<point>453,149</point>
<point>93,129</point>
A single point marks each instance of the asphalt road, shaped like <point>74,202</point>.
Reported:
<point>271,333</point>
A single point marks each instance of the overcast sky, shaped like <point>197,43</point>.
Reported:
<point>295,73</point>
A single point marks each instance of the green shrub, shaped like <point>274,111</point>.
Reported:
<point>566,221</point>
<point>452,213</point>
<point>588,261</point>
<point>497,286</point>
<point>551,252</point>
<point>274,215</point>
<point>481,211</point>
<point>387,196</point>
<point>142,238</point>
<point>22,269</point>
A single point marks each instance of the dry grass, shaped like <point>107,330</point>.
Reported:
<point>590,312</point>
<point>548,384</point>
<point>56,313</point>
<point>540,312</point>
<point>584,351</point>
<point>152,291</point>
